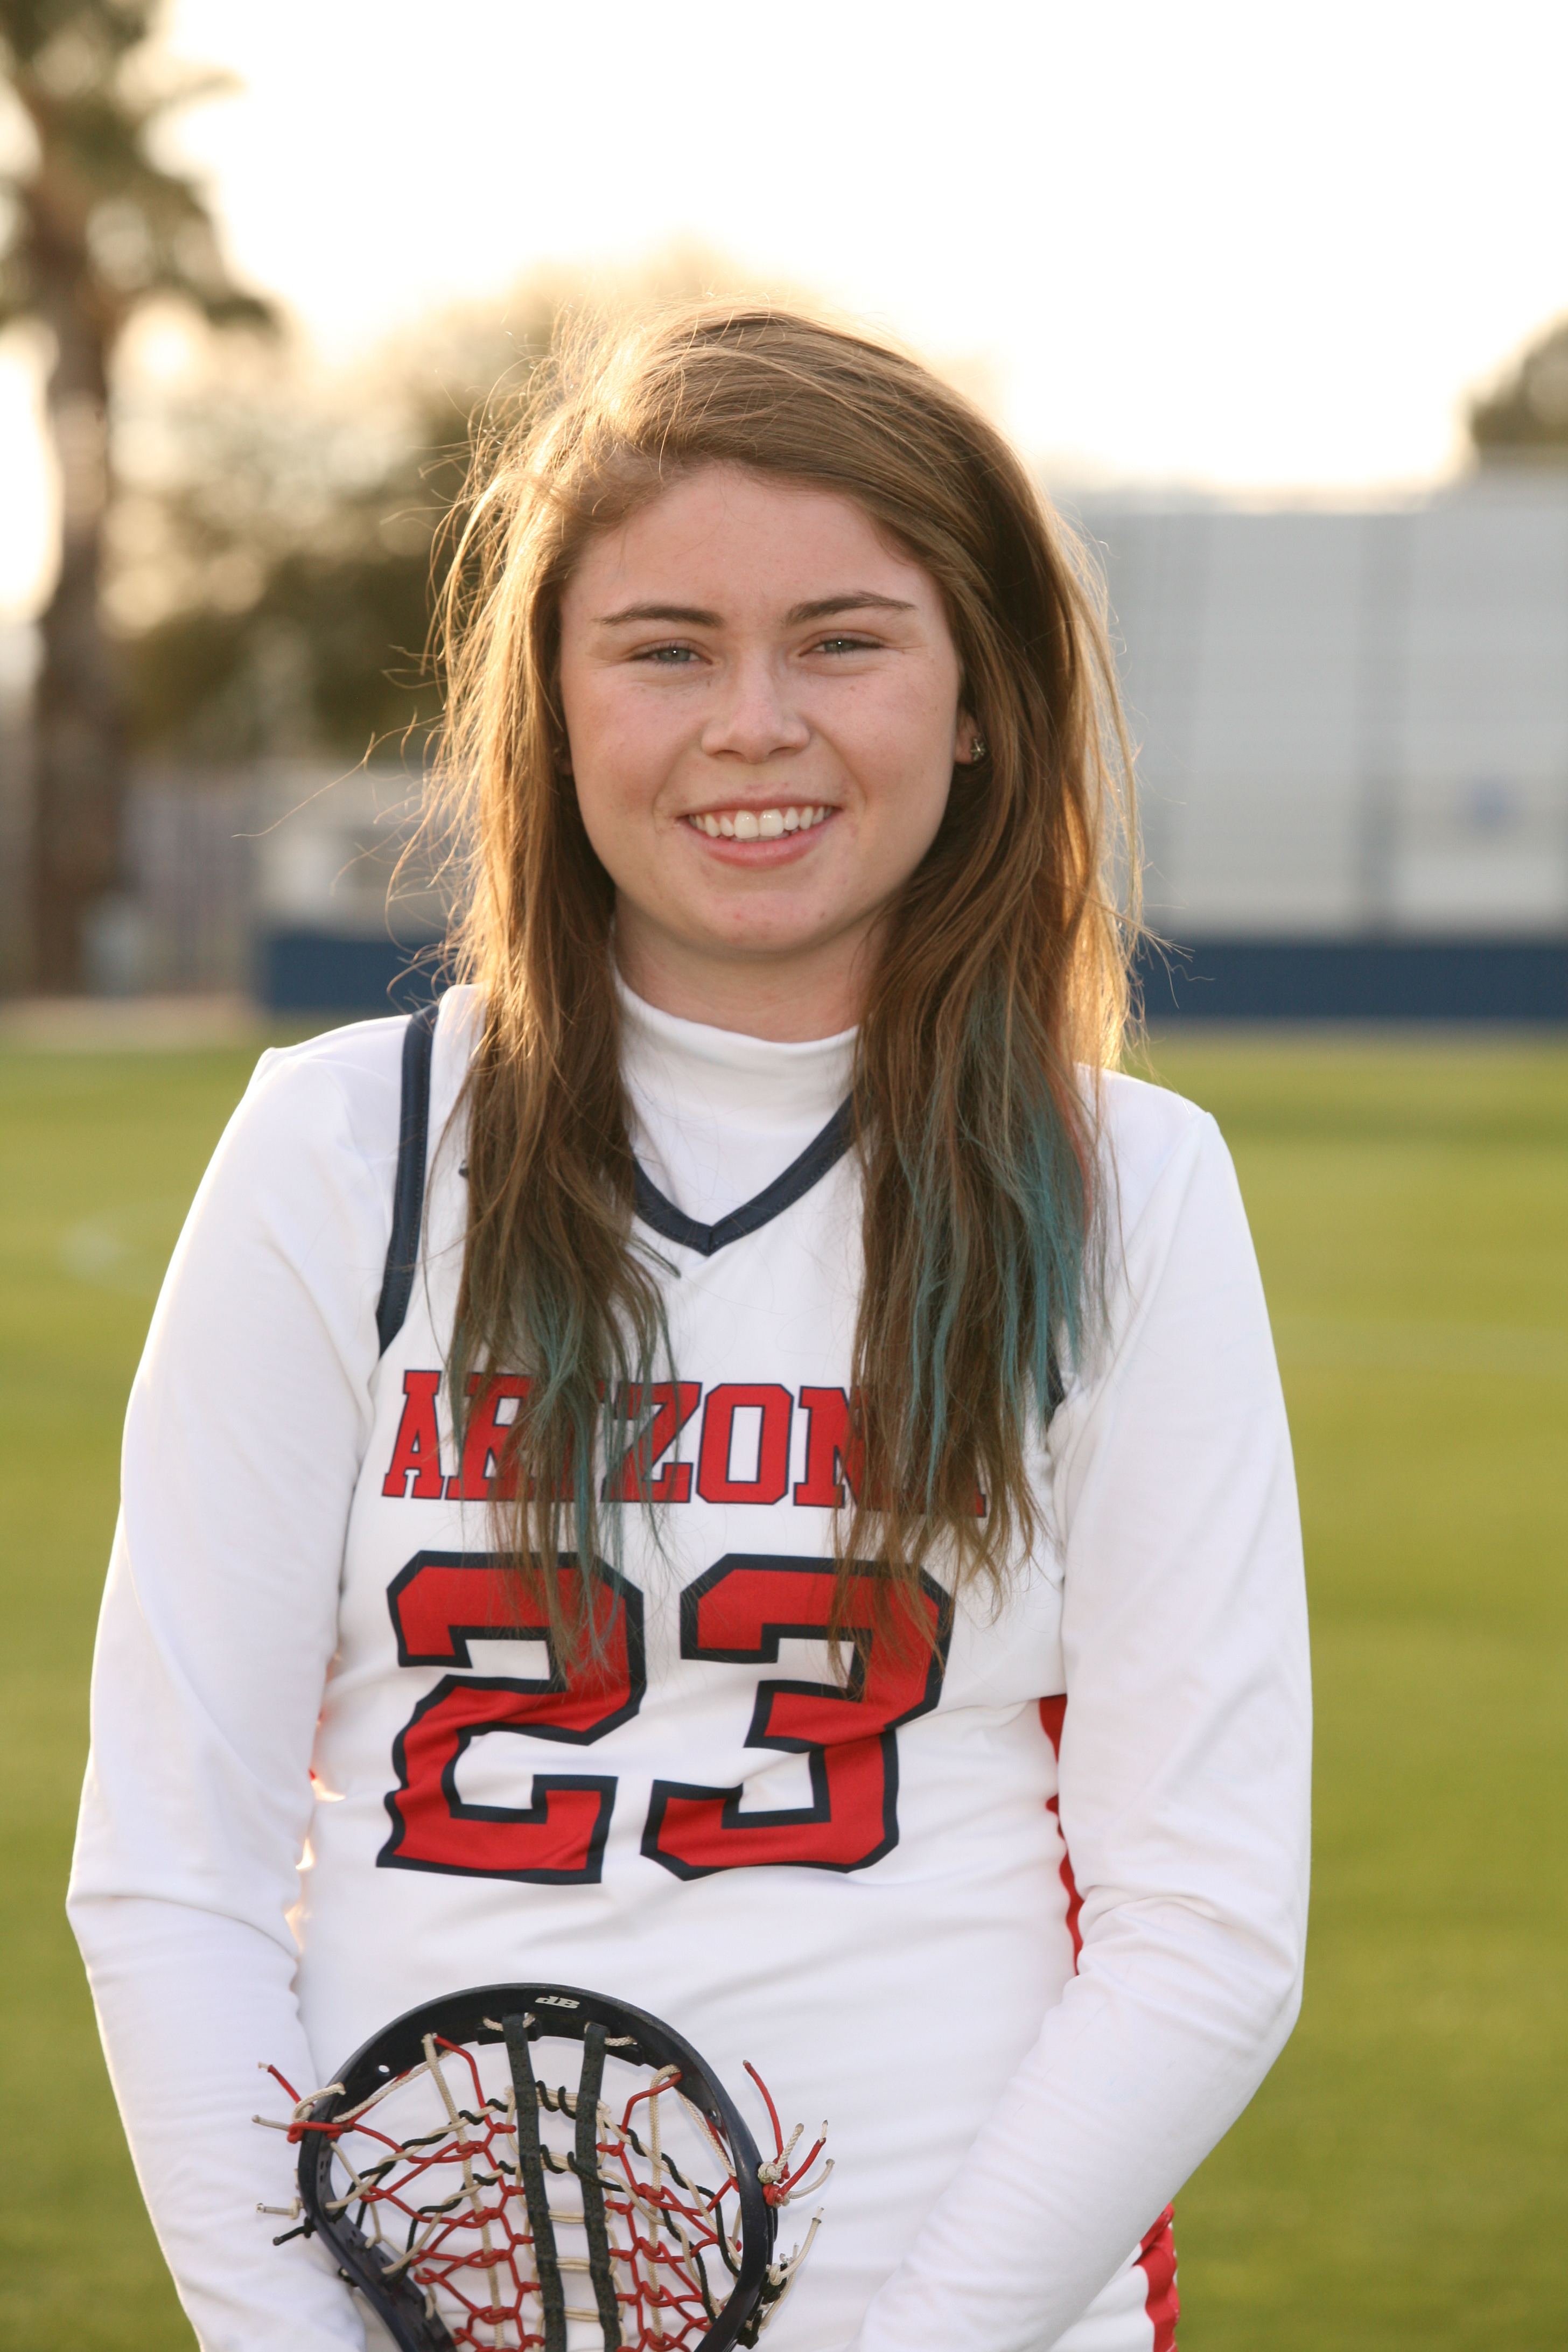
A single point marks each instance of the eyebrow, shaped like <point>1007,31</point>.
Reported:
<point>860,600</point>
<point>693,617</point>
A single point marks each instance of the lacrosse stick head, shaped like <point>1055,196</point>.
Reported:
<point>533,2168</point>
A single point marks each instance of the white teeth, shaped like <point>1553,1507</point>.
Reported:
<point>758,825</point>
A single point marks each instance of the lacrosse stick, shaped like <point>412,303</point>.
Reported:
<point>473,2204</point>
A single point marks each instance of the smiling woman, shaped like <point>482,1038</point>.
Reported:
<point>761,699</point>
<point>640,635</point>
<point>790,1282</point>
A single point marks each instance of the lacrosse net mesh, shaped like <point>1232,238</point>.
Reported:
<point>531,2216</point>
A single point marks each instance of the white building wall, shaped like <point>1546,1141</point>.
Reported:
<point>1483,773</point>
<point>1349,722</point>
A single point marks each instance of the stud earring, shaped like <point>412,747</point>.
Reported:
<point>977,751</point>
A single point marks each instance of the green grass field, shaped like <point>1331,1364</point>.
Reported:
<point>1399,2181</point>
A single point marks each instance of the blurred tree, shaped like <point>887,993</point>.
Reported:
<point>279,540</point>
<point>274,558</point>
<point>96,228</point>
<point>1527,416</point>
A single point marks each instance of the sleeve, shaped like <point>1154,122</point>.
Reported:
<point>1183,1794</point>
<point>247,1423</point>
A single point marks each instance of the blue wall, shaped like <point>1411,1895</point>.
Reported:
<point>1502,979</point>
<point>1499,980</point>
<point>314,971</point>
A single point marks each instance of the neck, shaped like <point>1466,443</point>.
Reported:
<point>788,998</point>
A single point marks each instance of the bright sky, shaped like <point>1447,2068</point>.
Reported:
<point>1249,246</point>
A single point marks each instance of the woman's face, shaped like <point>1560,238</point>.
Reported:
<point>761,705</point>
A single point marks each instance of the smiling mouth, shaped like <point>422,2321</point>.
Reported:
<point>757,825</point>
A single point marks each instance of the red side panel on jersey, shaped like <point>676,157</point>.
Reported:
<point>1052,1715</point>
<point>1157,2261</point>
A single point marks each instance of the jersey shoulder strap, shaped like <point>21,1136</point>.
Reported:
<point>408,1192</point>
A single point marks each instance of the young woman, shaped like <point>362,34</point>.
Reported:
<point>917,1703</point>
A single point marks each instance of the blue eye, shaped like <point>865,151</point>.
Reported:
<point>668,656</point>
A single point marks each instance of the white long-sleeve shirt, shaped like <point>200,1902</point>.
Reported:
<point>1029,1990</point>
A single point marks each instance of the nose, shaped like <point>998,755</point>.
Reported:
<point>755,716</point>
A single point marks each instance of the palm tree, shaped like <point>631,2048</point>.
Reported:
<point>99,227</point>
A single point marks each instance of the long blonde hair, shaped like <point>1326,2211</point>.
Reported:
<point>1003,964</point>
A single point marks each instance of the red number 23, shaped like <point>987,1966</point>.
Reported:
<point>737,1614</point>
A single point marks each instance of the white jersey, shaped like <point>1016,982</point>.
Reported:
<point>1022,1915</point>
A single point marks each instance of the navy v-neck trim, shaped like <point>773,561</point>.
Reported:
<point>822,1153</point>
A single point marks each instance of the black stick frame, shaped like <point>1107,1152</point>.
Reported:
<point>521,2016</point>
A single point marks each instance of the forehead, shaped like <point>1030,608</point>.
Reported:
<point>740,542</point>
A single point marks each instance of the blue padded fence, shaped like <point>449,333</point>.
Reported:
<point>1445,980</point>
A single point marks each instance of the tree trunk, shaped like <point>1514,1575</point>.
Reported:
<point>79,712</point>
